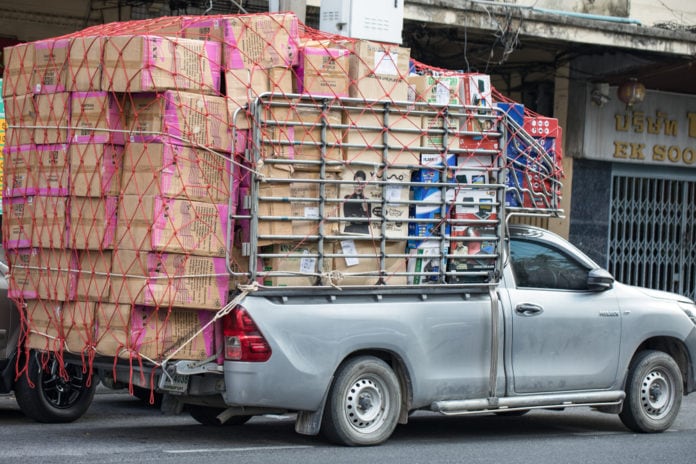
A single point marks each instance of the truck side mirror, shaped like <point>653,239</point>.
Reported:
<point>599,280</point>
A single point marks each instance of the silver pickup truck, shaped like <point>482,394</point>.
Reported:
<point>558,331</point>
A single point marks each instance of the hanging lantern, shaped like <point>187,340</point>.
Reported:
<point>631,92</point>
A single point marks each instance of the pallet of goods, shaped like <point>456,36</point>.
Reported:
<point>152,167</point>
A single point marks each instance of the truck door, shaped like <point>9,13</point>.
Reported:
<point>564,337</point>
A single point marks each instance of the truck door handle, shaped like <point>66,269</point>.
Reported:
<point>528,309</point>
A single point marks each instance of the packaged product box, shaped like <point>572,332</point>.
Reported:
<point>97,117</point>
<point>202,28</point>
<point>424,263</point>
<point>93,274</point>
<point>294,205</point>
<point>174,171</point>
<point>541,126</point>
<point>295,133</point>
<point>155,223</point>
<point>428,207</point>
<point>60,326</point>
<point>179,118</point>
<point>323,71</point>
<point>468,262</point>
<point>42,273</point>
<point>364,136</point>
<point>52,118</point>
<point>134,332</point>
<point>476,92</point>
<point>382,195</point>
<point>168,279</point>
<point>50,74</point>
<point>36,221</point>
<point>245,85</point>
<point>18,65</point>
<point>153,63</point>
<point>436,90</point>
<point>84,63</point>
<point>267,40</point>
<point>474,169</point>
<point>20,116</point>
<point>379,71</point>
<point>294,264</point>
<point>434,128</point>
<point>359,263</point>
<point>36,170</point>
<point>92,222</point>
<point>95,169</point>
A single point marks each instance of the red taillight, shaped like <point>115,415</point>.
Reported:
<point>243,341</point>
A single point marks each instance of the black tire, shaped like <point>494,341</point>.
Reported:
<point>207,415</point>
<point>53,398</point>
<point>363,404</point>
<point>654,391</point>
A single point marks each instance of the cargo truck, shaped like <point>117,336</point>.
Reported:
<point>431,300</point>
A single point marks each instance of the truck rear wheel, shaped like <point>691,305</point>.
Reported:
<point>363,404</point>
<point>654,390</point>
<point>44,395</point>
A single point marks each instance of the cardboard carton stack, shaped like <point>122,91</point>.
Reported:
<point>133,149</point>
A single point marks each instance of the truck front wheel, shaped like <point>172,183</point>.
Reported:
<point>363,404</point>
<point>654,390</point>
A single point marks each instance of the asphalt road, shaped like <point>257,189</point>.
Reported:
<point>120,429</point>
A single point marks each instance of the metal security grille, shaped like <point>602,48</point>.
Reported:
<point>652,241</point>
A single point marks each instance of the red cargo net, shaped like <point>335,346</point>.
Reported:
<point>129,156</point>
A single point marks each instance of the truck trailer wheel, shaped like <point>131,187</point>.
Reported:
<point>53,398</point>
<point>654,390</point>
<point>363,405</point>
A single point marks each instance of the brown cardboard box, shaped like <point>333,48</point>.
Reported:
<point>20,112</point>
<point>288,214</point>
<point>18,64</point>
<point>323,71</point>
<point>436,90</point>
<point>367,267</point>
<point>167,279</point>
<point>179,118</point>
<point>298,261</point>
<point>50,73</point>
<point>35,222</point>
<point>84,63</point>
<point>154,223</point>
<point>36,170</point>
<point>260,40</point>
<point>295,132</point>
<point>245,85</point>
<point>93,275</point>
<point>42,273</point>
<point>154,63</point>
<point>433,133</point>
<point>97,117</point>
<point>366,130</point>
<point>92,222</point>
<point>140,331</point>
<point>364,200</point>
<point>95,169</point>
<point>52,118</point>
<point>175,172</point>
<point>378,71</point>
<point>60,326</point>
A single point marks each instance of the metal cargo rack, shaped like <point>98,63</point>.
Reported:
<point>465,250</point>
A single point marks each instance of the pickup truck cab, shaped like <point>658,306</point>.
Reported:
<point>557,331</point>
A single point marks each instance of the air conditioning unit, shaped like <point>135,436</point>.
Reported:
<point>378,20</point>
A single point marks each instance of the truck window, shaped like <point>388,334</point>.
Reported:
<point>538,265</point>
